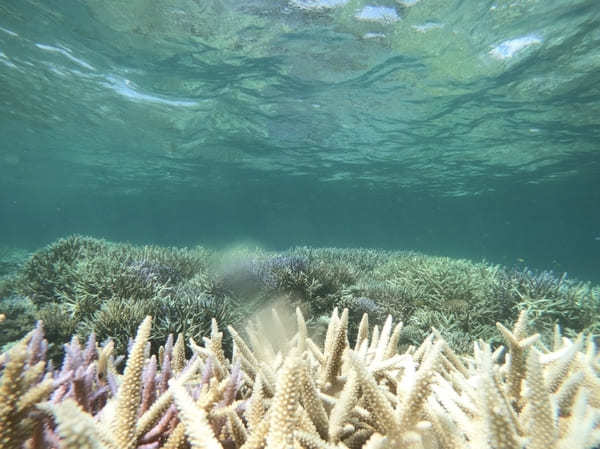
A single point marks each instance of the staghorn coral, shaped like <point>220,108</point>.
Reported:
<point>83,285</point>
<point>23,385</point>
<point>80,284</point>
<point>189,311</point>
<point>295,392</point>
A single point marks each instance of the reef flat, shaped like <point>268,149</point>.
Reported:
<point>78,285</point>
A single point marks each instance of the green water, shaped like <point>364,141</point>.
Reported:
<point>460,128</point>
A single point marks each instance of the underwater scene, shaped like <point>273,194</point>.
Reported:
<point>299,224</point>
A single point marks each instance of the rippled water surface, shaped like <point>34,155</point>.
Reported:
<point>467,128</point>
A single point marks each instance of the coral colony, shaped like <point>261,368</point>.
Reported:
<point>292,392</point>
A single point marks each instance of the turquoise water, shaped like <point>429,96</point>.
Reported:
<point>461,128</point>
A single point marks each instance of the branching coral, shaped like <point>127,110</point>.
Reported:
<point>23,385</point>
<point>80,284</point>
<point>294,392</point>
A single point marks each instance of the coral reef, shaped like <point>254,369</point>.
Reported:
<point>80,285</point>
<point>281,388</point>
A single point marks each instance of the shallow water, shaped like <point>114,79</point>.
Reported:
<point>461,128</point>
